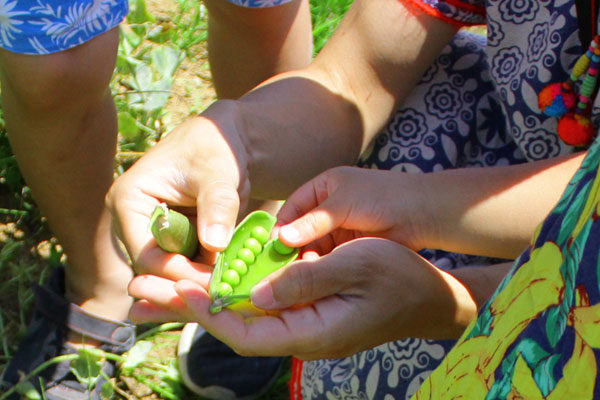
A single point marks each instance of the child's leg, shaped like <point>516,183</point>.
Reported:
<point>62,128</point>
<point>248,45</point>
<point>61,122</point>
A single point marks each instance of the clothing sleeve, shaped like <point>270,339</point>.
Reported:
<point>456,12</point>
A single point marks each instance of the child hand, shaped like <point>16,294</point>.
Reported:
<point>207,192</point>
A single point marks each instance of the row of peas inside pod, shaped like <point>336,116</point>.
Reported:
<point>250,256</point>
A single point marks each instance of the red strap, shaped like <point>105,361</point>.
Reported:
<point>296,380</point>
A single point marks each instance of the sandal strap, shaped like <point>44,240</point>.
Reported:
<point>115,336</point>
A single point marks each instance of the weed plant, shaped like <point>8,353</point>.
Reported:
<point>151,51</point>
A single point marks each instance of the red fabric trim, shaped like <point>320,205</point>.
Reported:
<point>437,14</point>
<point>296,380</point>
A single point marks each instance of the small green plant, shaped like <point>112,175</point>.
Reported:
<point>326,16</point>
<point>86,365</point>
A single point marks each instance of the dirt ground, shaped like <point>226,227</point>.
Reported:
<point>192,88</point>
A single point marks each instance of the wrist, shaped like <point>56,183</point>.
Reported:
<point>418,211</point>
<point>225,147</point>
<point>465,305</point>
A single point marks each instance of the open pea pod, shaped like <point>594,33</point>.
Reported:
<point>173,231</point>
<point>249,258</point>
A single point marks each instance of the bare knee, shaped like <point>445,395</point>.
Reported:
<point>72,78</point>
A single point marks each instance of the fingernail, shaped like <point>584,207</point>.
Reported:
<point>216,235</point>
<point>262,295</point>
<point>289,233</point>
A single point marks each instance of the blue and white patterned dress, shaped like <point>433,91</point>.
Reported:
<point>475,107</point>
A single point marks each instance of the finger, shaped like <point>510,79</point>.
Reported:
<point>158,291</point>
<point>154,261</point>
<point>259,336</point>
<point>131,215</point>
<point>218,207</point>
<point>305,282</point>
<point>309,332</point>
<point>309,255</point>
<point>301,201</point>
<point>143,311</point>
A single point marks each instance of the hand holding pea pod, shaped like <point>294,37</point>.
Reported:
<point>250,256</point>
<point>366,292</point>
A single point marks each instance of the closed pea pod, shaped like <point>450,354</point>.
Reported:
<point>173,231</point>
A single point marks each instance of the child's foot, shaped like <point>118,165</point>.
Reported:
<point>54,322</point>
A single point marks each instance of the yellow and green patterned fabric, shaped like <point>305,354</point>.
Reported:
<point>538,337</point>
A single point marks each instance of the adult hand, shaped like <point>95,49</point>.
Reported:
<point>364,293</point>
<point>199,169</point>
<point>345,203</point>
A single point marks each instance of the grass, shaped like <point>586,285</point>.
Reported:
<point>161,76</point>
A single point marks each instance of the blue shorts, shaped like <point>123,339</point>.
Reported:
<point>50,26</point>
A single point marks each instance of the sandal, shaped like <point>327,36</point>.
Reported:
<point>46,337</point>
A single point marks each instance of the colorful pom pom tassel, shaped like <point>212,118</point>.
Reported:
<point>557,99</point>
<point>571,102</point>
<point>576,130</point>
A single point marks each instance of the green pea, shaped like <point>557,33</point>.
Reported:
<point>254,246</point>
<point>239,266</point>
<point>282,248</point>
<point>246,255</point>
<point>250,257</point>
<point>224,289</point>
<point>231,277</point>
<point>261,234</point>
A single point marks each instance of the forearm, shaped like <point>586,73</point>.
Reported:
<point>493,211</point>
<point>298,124</point>
<point>464,292</point>
<point>481,281</point>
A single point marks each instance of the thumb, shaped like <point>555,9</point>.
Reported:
<point>218,207</point>
<point>301,282</point>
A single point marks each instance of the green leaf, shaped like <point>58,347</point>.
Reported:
<point>158,34</point>
<point>158,96</point>
<point>166,59</point>
<point>107,391</point>
<point>88,366</point>
<point>128,126</point>
<point>137,355</point>
<point>131,42</point>
<point>143,77</point>
<point>28,391</point>
<point>138,14</point>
